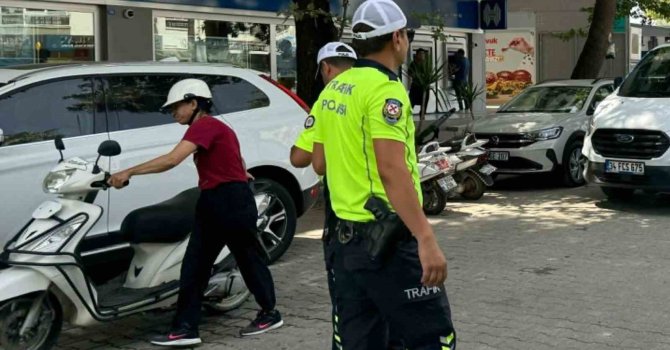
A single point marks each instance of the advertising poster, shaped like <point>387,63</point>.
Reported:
<point>510,64</point>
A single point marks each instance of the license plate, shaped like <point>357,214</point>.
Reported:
<point>447,183</point>
<point>619,167</point>
<point>487,169</point>
<point>499,156</point>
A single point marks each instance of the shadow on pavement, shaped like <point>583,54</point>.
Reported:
<point>641,203</point>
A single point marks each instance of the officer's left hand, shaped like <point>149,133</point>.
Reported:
<point>433,262</point>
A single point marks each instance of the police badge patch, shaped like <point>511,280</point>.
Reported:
<point>392,111</point>
<point>309,122</point>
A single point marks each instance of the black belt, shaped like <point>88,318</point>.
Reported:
<point>346,230</point>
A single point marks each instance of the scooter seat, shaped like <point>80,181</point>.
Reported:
<point>166,222</point>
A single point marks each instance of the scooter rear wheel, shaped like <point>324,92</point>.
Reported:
<point>42,336</point>
<point>434,199</point>
<point>474,187</point>
<point>237,293</point>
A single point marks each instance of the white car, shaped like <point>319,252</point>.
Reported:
<point>628,141</point>
<point>542,129</point>
<point>89,103</point>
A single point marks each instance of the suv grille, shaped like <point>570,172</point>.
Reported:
<point>629,143</point>
<point>505,140</point>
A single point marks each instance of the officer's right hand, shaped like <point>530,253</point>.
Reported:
<point>433,262</point>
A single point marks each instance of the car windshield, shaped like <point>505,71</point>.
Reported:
<point>651,77</point>
<point>549,99</point>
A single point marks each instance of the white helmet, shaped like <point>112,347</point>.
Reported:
<point>187,89</point>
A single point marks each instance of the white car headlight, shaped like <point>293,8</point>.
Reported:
<point>592,125</point>
<point>55,180</point>
<point>53,240</point>
<point>547,134</point>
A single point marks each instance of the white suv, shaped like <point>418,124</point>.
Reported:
<point>543,128</point>
<point>87,104</point>
<point>628,141</point>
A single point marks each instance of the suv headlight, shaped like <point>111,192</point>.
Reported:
<point>547,134</point>
<point>55,180</point>
<point>592,125</point>
<point>53,240</point>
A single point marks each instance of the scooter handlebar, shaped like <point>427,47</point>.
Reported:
<point>103,183</point>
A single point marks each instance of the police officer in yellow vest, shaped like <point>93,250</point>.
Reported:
<point>386,260</point>
<point>332,59</point>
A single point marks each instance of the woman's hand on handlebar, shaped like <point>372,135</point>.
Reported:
<point>119,180</point>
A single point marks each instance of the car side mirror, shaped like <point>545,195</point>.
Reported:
<point>617,82</point>
<point>109,148</point>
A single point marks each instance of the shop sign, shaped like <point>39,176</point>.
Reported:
<point>510,64</point>
<point>176,24</point>
<point>493,14</point>
<point>31,19</point>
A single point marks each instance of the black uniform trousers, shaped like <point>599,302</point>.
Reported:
<point>225,215</point>
<point>373,297</point>
<point>329,238</point>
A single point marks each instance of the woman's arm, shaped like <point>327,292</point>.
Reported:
<point>156,165</point>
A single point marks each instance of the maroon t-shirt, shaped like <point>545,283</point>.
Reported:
<point>218,158</point>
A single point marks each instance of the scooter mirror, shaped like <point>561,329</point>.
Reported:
<point>109,148</point>
<point>59,143</point>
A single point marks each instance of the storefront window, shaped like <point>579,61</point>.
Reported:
<point>286,59</point>
<point>45,36</point>
<point>242,44</point>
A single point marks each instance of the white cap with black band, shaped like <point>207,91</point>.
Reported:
<point>334,49</point>
<point>384,16</point>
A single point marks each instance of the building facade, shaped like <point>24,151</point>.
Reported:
<point>250,34</point>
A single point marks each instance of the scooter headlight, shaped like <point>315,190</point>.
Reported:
<point>53,240</point>
<point>56,179</point>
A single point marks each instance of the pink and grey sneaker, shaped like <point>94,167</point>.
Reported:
<point>178,338</point>
<point>265,321</point>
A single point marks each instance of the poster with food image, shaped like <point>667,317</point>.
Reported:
<point>510,64</point>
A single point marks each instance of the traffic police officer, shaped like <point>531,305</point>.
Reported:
<point>364,142</point>
<point>332,59</point>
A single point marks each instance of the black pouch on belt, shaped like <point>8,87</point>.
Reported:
<point>385,231</point>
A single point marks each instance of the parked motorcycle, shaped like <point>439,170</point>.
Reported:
<point>44,279</point>
<point>435,174</point>
<point>469,159</point>
<point>473,172</point>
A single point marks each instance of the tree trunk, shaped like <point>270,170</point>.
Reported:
<point>312,32</point>
<point>593,54</point>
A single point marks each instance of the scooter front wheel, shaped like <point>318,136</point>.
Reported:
<point>46,326</point>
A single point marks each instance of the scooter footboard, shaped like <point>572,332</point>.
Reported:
<point>16,281</point>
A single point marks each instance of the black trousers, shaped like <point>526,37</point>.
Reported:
<point>329,238</point>
<point>225,215</point>
<point>373,297</point>
<point>459,89</point>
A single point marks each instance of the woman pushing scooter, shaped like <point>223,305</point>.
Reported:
<point>226,213</point>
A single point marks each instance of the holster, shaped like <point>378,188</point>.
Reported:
<point>383,235</point>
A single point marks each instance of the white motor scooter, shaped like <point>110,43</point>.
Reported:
<point>435,171</point>
<point>43,278</point>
